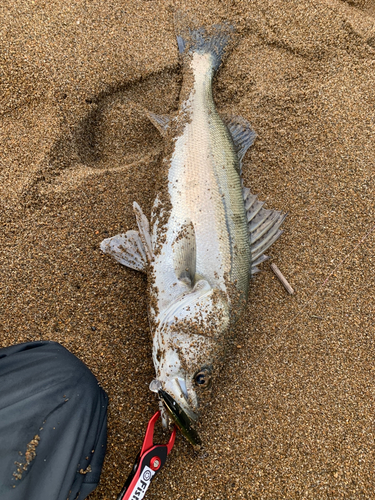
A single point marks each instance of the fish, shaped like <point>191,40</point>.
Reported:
<point>206,237</point>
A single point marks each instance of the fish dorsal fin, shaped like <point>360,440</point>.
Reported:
<point>161,122</point>
<point>242,134</point>
<point>184,254</point>
<point>144,230</point>
<point>127,249</point>
<point>263,226</point>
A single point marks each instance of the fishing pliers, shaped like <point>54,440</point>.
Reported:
<point>148,463</point>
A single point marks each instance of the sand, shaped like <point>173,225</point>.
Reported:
<point>293,414</point>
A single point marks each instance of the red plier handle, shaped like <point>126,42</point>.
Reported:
<point>148,463</point>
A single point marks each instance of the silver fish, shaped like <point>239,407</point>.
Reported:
<point>208,234</point>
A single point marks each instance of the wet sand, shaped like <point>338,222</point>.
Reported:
<point>293,416</point>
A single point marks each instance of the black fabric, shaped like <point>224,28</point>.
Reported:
<point>53,414</point>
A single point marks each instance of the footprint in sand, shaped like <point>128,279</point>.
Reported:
<point>108,134</point>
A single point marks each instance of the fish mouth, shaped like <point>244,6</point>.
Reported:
<point>180,418</point>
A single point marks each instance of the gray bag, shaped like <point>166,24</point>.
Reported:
<point>53,424</point>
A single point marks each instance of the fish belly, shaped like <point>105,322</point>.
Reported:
<point>205,189</point>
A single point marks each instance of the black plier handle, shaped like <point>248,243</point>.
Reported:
<point>148,463</point>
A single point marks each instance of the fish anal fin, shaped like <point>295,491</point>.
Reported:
<point>144,230</point>
<point>243,135</point>
<point>127,249</point>
<point>184,254</point>
<point>263,226</point>
<point>161,122</point>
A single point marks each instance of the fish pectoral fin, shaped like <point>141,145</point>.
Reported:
<point>161,122</point>
<point>127,249</point>
<point>184,254</point>
<point>242,134</point>
<point>144,230</point>
<point>263,226</point>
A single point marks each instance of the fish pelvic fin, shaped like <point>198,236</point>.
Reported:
<point>184,254</point>
<point>144,231</point>
<point>127,249</point>
<point>213,41</point>
<point>132,249</point>
<point>263,226</point>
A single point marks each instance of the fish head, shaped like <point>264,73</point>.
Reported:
<point>187,351</point>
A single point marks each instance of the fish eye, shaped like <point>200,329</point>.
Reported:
<point>203,378</point>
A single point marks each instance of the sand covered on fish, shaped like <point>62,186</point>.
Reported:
<point>292,416</point>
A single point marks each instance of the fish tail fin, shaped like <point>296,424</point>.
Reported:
<point>213,41</point>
